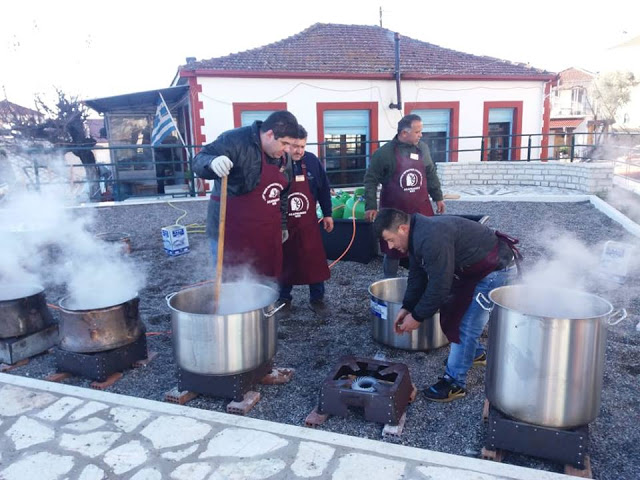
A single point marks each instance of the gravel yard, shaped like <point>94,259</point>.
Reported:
<point>312,344</point>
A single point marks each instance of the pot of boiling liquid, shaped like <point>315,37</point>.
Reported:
<point>239,337</point>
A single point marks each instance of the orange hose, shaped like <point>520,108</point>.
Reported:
<point>353,235</point>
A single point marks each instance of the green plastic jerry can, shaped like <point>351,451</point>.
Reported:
<point>358,194</point>
<point>337,204</point>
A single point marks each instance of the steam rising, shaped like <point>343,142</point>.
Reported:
<point>43,241</point>
<point>569,266</point>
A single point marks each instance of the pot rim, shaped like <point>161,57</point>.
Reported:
<point>86,310</point>
<point>171,296</point>
<point>385,280</point>
<point>31,286</point>
<point>555,290</point>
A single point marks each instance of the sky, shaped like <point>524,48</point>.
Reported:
<point>99,49</point>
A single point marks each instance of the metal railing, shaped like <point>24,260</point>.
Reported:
<point>134,171</point>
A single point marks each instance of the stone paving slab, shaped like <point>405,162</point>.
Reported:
<point>54,431</point>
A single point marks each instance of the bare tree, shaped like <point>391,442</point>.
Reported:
<point>64,126</point>
<point>609,92</point>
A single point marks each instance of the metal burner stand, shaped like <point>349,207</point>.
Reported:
<point>385,404</point>
<point>15,349</point>
<point>101,365</point>
<point>232,387</point>
<point>565,446</point>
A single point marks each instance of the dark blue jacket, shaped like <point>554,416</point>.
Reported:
<point>318,181</point>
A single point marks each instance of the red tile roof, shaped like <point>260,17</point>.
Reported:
<point>575,77</point>
<point>359,50</point>
<point>565,122</point>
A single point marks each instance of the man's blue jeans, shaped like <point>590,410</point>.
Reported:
<point>473,322</point>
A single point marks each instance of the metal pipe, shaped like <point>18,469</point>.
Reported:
<point>397,73</point>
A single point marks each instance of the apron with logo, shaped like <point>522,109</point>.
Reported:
<point>464,284</point>
<point>305,261</point>
<point>406,191</point>
<point>253,227</point>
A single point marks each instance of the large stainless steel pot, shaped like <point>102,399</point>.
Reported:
<point>386,302</point>
<point>99,329</point>
<point>239,338</point>
<point>546,354</point>
<point>23,310</point>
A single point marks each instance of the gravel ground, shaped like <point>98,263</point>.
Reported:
<point>312,344</point>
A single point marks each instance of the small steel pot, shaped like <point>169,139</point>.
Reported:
<point>23,310</point>
<point>386,302</point>
<point>100,329</point>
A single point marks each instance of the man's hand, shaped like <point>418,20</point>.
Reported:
<point>440,208</point>
<point>327,223</point>
<point>399,319</point>
<point>405,323</point>
<point>221,165</point>
<point>370,215</point>
<point>285,235</point>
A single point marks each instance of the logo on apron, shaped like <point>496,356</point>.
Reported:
<point>298,204</point>
<point>271,194</point>
<point>411,180</point>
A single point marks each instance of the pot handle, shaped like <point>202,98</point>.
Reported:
<point>484,302</point>
<point>169,297</point>
<point>271,313</point>
<point>622,313</point>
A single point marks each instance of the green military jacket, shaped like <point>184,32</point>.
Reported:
<point>383,164</point>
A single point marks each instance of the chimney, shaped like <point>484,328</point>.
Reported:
<point>191,60</point>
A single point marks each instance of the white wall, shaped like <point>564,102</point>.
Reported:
<point>301,96</point>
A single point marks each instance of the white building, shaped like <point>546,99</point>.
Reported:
<point>341,83</point>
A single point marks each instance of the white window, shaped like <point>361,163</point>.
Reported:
<point>436,125</point>
<point>249,116</point>
<point>346,133</point>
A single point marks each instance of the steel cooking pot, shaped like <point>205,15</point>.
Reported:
<point>100,329</point>
<point>240,337</point>
<point>23,310</point>
<point>546,354</point>
<point>385,302</point>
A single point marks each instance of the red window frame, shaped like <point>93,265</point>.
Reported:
<point>321,107</point>
<point>454,120</point>
<point>239,107</point>
<point>517,126</point>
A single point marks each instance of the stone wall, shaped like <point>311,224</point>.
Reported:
<point>587,177</point>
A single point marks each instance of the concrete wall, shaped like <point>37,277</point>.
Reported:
<point>302,95</point>
<point>584,177</point>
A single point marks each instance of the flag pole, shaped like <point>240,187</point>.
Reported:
<point>184,145</point>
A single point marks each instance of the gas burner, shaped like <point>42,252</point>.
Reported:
<point>383,389</point>
<point>100,366</point>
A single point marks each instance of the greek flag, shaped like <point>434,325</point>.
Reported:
<point>163,124</point>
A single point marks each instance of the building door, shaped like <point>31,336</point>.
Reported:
<point>500,131</point>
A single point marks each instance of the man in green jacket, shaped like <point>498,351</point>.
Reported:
<point>408,176</point>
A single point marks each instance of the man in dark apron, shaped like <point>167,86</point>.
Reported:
<point>408,176</point>
<point>259,176</point>
<point>451,260</point>
<point>304,258</point>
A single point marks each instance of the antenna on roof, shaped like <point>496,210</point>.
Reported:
<point>380,16</point>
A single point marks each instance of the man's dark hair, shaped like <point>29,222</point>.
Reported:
<point>389,219</point>
<point>283,124</point>
<point>406,121</point>
<point>302,133</point>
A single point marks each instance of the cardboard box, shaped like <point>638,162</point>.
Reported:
<point>175,240</point>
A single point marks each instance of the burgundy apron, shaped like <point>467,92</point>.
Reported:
<point>253,228</point>
<point>305,261</point>
<point>464,284</point>
<point>406,191</point>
